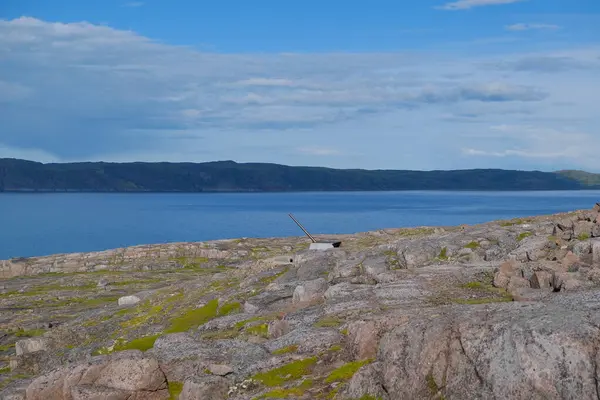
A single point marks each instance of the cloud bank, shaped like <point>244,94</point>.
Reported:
<point>78,91</point>
<point>467,4</point>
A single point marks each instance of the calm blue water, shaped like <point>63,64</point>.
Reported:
<point>41,224</point>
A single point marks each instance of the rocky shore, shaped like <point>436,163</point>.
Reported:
<point>502,310</point>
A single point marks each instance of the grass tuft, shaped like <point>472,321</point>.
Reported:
<point>443,253</point>
<point>290,349</point>
<point>328,322</point>
<point>143,344</point>
<point>229,308</point>
<point>261,330</point>
<point>523,235</point>
<point>220,335</point>
<point>346,372</point>
<point>286,393</point>
<point>289,372</point>
<point>29,333</point>
<point>583,236</point>
<point>175,389</point>
<point>194,318</point>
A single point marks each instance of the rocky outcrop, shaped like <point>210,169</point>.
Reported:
<point>125,375</point>
<point>505,309</point>
<point>155,257</point>
<point>497,351</point>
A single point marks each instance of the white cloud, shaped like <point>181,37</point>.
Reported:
<point>79,91</point>
<point>318,151</point>
<point>467,4</point>
<point>529,141</point>
<point>266,82</point>
<point>510,153</point>
<point>528,27</point>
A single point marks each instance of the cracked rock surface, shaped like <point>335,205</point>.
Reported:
<point>502,310</point>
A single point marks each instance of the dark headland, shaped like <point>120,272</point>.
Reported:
<point>502,310</point>
<point>228,176</point>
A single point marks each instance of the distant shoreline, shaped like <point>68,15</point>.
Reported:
<point>21,176</point>
<point>23,191</point>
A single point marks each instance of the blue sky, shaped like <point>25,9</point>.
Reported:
<point>351,84</point>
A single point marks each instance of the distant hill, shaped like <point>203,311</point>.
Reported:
<point>585,178</point>
<point>228,176</point>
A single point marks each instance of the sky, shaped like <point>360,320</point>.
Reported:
<point>378,84</point>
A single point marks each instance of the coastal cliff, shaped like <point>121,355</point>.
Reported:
<point>506,309</point>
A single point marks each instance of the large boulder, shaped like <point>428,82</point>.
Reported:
<point>31,345</point>
<point>205,388</point>
<point>534,351</point>
<point>310,291</point>
<point>127,375</point>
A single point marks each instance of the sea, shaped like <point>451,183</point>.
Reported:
<point>36,224</point>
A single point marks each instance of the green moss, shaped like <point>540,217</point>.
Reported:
<point>124,311</point>
<point>289,372</point>
<point>336,348</point>
<point>286,393</point>
<point>29,333</point>
<point>328,322</point>
<point>101,351</point>
<point>523,235</point>
<point>583,236</point>
<point>290,349</point>
<point>229,308</point>
<point>270,279</point>
<point>410,232</point>
<point>194,318</point>
<point>143,344</point>
<point>138,282</point>
<point>443,253</point>
<point>220,285</point>
<point>190,262</point>
<point>433,387</point>
<point>4,370</point>
<point>261,330</point>
<point>147,313</point>
<point>220,335</point>
<point>344,332</point>
<point>473,285</point>
<point>7,347</point>
<point>331,395</point>
<point>472,245</point>
<point>513,222</point>
<point>346,372</point>
<point>175,389</point>
<point>242,324</point>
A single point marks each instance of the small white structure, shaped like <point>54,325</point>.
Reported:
<point>316,245</point>
<point>323,245</point>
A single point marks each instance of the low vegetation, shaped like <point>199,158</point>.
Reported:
<point>523,235</point>
<point>329,322</point>
<point>194,318</point>
<point>289,372</point>
<point>347,371</point>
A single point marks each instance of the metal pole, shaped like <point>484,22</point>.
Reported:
<point>301,227</point>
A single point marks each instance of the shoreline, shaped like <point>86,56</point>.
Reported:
<point>138,256</point>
